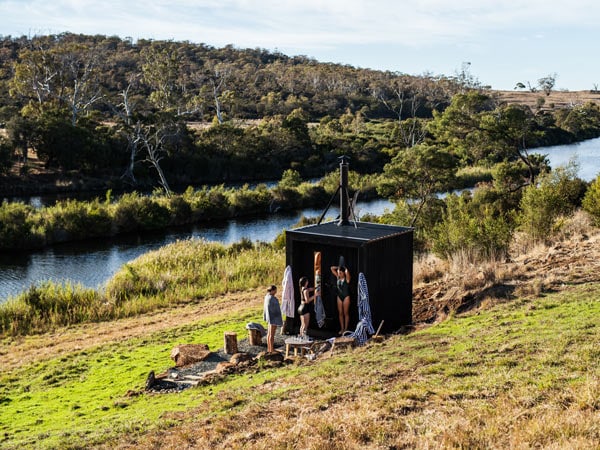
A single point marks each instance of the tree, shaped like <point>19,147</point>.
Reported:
<point>215,77</point>
<point>155,139</point>
<point>64,75</point>
<point>591,201</point>
<point>403,97</point>
<point>19,130</point>
<point>417,174</point>
<point>80,68</point>
<point>557,193</point>
<point>161,71</point>
<point>547,83</point>
<point>125,111</point>
<point>459,124</point>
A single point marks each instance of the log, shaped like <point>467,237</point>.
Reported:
<point>255,337</point>
<point>230,346</point>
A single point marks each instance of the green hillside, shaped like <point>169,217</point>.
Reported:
<point>523,373</point>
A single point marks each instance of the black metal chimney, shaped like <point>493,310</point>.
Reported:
<point>344,191</point>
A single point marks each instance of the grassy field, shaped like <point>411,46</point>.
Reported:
<point>521,374</point>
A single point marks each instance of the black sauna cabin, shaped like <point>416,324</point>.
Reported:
<point>383,253</point>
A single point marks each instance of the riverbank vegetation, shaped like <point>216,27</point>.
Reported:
<point>183,272</point>
<point>23,226</point>
<point>468,231</point>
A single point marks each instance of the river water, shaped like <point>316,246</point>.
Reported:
<point>92,263</point>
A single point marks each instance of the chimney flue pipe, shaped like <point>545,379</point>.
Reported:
<point>343,191</point>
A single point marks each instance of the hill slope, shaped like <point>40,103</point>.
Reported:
<point>520,371</point>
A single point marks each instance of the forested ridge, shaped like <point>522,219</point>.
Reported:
<point>131,115</point>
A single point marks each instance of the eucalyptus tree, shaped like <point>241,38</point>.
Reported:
<point>458,126</point>
<point>506,135</point>
<point>156,138</point>
<point>65,74</point>
<point>34,74</point>
<point>129,124</point>
<point>547,83</point>
<point>214,77</point>
<point>403,97</point>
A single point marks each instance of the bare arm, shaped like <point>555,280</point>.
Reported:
<point>334,270</point>
<point>347,272</point>
<point>307,295</point>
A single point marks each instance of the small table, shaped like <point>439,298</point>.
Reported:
<point>296,343</point>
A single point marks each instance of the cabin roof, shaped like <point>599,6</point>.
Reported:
<point>362,232</point>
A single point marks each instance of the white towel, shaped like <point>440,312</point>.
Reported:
<point>288,304</point>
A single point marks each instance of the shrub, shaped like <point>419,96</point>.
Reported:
<point>468,229</point>
<point>124,213</point>
<point>248,201</point>
<point>179,209</point>
<point>49,305</point>
<point>591,201</point>
<point>290,179</point>
<point>556,194</point>
<point>17,226</point>
<point>72,219</point>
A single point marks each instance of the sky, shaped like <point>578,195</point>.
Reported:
<point>502,42</point>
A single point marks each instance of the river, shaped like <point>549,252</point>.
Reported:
<point>92,263</point>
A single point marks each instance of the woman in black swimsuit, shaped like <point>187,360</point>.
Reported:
<point>342,288</point>
<point>306,305</point>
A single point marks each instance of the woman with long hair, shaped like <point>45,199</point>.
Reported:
<point>272,315</point>
<point>307,302</point>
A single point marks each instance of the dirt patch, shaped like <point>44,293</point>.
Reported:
<point>574,261</point>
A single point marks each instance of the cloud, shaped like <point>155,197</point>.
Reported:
<point>293,23</point>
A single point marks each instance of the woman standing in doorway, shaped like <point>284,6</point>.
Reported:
<point>306,305</point>
<point>343,295</point>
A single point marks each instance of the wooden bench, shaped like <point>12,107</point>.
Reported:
<point>297,343</point>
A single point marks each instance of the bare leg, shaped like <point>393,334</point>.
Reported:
<point>271,338</point>
<point>303,324</point>
<point>346,306</point>
<point>340,307</point>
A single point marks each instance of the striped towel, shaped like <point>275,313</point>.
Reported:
<point>288,305</point>
<point>365,324</point>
